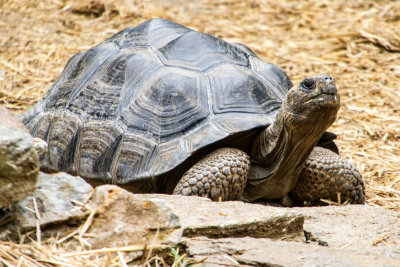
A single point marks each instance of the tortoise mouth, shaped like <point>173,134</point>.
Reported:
<point>323,97</point>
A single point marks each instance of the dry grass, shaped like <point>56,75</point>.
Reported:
<point>356,41</point>
<point>52,254</point>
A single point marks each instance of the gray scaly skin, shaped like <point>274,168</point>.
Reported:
<point>220,175</point>
<point>324,175</point>
<point>284,157</point>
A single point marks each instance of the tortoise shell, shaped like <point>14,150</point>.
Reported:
<point>151,97</point>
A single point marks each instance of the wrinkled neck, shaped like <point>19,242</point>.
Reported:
<point>279,152</point>
<point>268,145</point>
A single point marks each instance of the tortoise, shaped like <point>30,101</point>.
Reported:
<point>163,108</point>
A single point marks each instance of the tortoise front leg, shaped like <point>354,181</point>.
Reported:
<point>221,175</point>
<point>325,174</point>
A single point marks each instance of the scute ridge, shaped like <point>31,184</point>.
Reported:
<point>200,52</point>
<point>166,108</point>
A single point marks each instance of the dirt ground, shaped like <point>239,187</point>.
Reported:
<point>356,41</point>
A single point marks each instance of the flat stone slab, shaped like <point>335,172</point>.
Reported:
<point>355,227</point>
<point>19,164</point>
<point>361,229</point>
<point>202,217</point>
<point>247,251</point>
<point>122,219</point>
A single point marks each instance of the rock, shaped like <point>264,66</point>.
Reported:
<point>123,219</point>
<point>58,199</point>
<point>247,251</point>
<point>225,233</point>
<point>62,202</point>
<point>355,227</point>
<point>356,235</point>
<point>11,121</point>
<point>351,232</point>
<point>202,217</point>
<point>19,165</point>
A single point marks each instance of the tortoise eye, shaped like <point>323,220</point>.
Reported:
<point>308,84</point>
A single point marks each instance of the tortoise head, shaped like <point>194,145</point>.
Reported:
<point>313,100</point>
<point>282,148</point>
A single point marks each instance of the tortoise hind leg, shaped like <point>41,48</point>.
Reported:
<point>325,174</point>
<point>221,175</point>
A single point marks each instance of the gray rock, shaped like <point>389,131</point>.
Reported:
<point>122,219</point>
<point>357,230</point>
<point>19,165</point>
<point>56,200</point>
<point>62,202</point>
<point>58,197</point>
<point>355,227</point>
<point>265,252</point>
<point>11,121</point>
<point>226,233</point>
<point>202,217</point>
